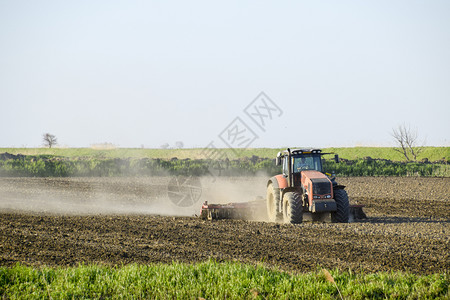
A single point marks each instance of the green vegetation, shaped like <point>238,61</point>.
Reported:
<point>351,153</point>
<point>133,162</point>
<point>371,167</point>
<point>211,280</point>
<point>48,166</point>
<point>354,153</point>
<point>44,166</point>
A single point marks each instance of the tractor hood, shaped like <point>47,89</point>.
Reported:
<point>317,185</point>
<point>313,174</point>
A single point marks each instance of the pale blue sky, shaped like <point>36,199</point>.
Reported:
<point>135,73</point>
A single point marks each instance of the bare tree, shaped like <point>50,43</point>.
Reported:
<point>179,144</point>
<point>49,140</point>
<point>407,141</point>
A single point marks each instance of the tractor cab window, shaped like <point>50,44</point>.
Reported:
<point>307,162</point>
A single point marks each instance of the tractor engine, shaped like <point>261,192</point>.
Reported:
<point>317,192</point>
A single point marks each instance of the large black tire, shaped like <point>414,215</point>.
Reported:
<point>343,207</point>
<point>272,200</point>
<point>292,208</point>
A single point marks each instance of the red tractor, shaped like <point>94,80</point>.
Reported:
<point>304,190</point>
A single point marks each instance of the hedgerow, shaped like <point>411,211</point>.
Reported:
<point>52,166</point>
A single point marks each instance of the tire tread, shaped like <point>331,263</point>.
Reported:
<point>343,207</point>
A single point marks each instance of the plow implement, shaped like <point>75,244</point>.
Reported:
<point>251,210</point>
<point>356,212</point>
<point>256,210</point>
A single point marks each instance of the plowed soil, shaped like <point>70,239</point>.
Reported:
<point>121,220</point>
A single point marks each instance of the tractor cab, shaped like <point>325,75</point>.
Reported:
<point>296,161</point>
<point>302,161</point>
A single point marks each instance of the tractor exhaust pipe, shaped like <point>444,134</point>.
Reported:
<point>289,168</point>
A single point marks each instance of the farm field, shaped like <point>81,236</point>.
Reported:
<point>113,221</point>
<point>431,153</point>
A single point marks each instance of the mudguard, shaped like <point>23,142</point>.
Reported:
<point>278,182</point>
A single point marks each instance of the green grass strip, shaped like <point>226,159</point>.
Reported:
<point>211,280</point>
<point>431,153</point>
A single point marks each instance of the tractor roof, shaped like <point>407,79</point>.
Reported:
<point>301,151</point>
<point>305,151</point>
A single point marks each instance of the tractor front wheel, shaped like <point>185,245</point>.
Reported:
<point>343,207</point>
<point>292,208</point>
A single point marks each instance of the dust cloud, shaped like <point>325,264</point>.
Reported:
<point>120,195</point>
<point>224,190</point>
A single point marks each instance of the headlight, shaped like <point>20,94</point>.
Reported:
<point>316,197</point>
<point>328,196</point>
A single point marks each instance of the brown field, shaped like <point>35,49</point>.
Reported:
<point>67,221</point>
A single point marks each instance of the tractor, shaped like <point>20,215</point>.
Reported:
<point>303,190</point>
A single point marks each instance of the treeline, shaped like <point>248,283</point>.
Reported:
<point>50,166</point>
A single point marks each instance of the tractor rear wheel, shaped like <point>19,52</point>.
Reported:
<point>343,207</point>
<point>273,198</point>
<point>292,208</point>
